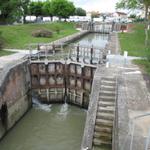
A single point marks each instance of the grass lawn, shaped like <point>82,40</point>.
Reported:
<point>144,65</point>
<point>3,53</point>
<point>19,36</point>
<point>134,42</point>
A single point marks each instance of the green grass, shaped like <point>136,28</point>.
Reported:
<point>144,65</point>
<point>134,42</point>
<point>19,36</point>
<point>3,53</point>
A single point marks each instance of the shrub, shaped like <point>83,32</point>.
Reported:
<point>42,33</point>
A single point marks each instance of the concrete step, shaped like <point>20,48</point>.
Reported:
<point>105,116</point>
<point>109,109</point>
<point>107,93</point>
<point>99,142</point>
<point>108,83</point>
<point>107,88</point>
<point>105,104</point>
<point>103,135</point>
<point>104,123</point>
<point>103,129</point>
<point>108,78</point>
<point>107,98</point>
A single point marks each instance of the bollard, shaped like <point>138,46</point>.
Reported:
<point>78,53</point>
<point>125,56</point>
<point>91,61</point>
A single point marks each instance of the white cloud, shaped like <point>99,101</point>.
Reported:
<point>96,5</point>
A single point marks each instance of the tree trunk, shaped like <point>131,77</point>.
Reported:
<point>24,19</point>
<point>51,18</point>
<point>146,12</point>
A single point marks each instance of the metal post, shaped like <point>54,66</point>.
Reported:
<point>91,61</point>
<point>38,48</point>
<point>78,53</point>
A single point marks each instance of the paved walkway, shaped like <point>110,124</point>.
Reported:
<point>133,100</point>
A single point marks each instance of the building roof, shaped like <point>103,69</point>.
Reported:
<point>121,13</point>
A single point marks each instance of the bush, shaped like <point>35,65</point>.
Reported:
<point>42,33</point>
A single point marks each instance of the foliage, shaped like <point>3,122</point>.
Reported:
<point>80,12</point>
<point>42,33</point>
<point>132,16</point>
<point>12,10</point>
<point>19,36</point>
<point>35,8</point>
<point>134,4</point>
<point>62,8</point>
<point>47,9</point>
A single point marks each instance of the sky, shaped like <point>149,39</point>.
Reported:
<point>96,5</point>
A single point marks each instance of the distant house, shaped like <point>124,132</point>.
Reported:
<point>120,16</point>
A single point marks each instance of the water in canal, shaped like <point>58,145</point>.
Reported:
<point>95,39</point>
<point>54,127</point>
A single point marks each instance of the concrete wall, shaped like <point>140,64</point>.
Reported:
<point>14,95</point>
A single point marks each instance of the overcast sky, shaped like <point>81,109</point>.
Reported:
<point>96,5</point>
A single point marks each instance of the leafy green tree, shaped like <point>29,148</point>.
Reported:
<point>62,8</point>
<point>8,9</point>
<point>36,8</point>
<point>13,10</point>
<point>80,12</point>
<point>47,9</point>
<point>24,9</point>
<point>134,4</point>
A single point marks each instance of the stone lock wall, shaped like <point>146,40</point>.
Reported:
<point>58,81</point>
<point>15,97</point>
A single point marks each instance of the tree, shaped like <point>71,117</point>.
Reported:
<point>47,9</point>
<point>134,4</point>
<point>35,8</point>
<point>8,10</point>
<point>13,10</point>
<point>62,8</point>
<point>24,8</point>
<point>80,12</point>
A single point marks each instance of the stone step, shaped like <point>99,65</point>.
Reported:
<point>103,135</point>
<point>105,116</point>
<point>103,129</point>
<point>108,78</point>
<point>109,109</point>
<point>99,142</point>
<point>107,88</point>
<point>105,104</point>
<point>107,98</point>
<point>109,83</point>
<point>107,93</point>
<point>104,123</point>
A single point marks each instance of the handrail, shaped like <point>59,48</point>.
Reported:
<point>115,123</point>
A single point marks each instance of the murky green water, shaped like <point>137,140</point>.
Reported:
<point>95,39</point>
<point>59,127</point>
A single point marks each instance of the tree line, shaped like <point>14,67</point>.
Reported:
<point>14,10</point>
<point>135,4</point>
